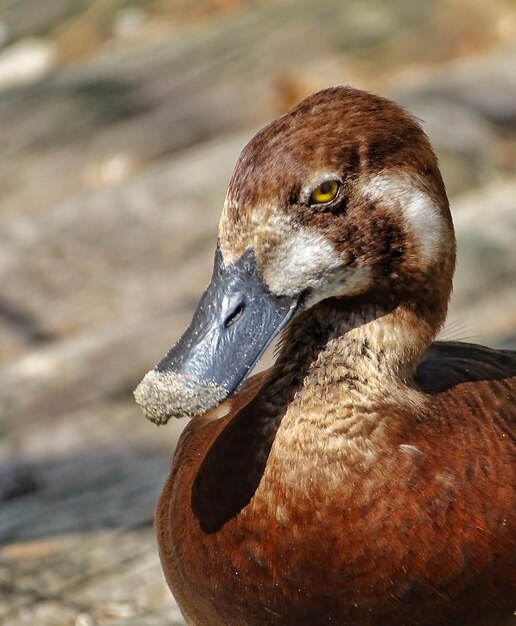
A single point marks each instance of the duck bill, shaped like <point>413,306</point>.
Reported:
<point>235,320</point>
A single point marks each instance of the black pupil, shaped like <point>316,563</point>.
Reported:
<point>326,187</point>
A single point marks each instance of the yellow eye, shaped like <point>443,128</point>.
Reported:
<point>325,193</point>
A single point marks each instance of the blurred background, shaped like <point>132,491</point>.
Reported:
<point>120,123</point>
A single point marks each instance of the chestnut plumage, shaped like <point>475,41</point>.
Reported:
<point>367,478</point>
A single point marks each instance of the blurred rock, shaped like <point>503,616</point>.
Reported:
<point>26,61</point>
<point>5,34</point>
<point>81,36</point>
<point>109,254</point>
<point>483,305</point>
<point>129,23</point>
<point>111,170</point>
<point>485,85</point>
<point>468,110</point>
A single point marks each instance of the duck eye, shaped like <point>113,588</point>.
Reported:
<point>325,192</point>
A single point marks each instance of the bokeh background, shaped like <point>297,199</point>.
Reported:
<point>120,122</point>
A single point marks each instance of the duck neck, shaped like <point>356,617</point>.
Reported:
<point>353,342</point>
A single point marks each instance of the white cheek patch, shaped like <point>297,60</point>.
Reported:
<point>304,259</point>
<point>300,261</point>
<point>343,282</point>
<point>405,194</point>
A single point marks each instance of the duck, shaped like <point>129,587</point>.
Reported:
<point>367,477</point>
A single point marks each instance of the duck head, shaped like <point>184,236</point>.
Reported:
<point>339,198</point>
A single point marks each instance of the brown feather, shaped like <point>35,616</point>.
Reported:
<point>366,479</point>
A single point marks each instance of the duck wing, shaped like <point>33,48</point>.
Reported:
<point>448,365</point>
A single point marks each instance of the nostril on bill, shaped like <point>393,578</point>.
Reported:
<point>235,315</point>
